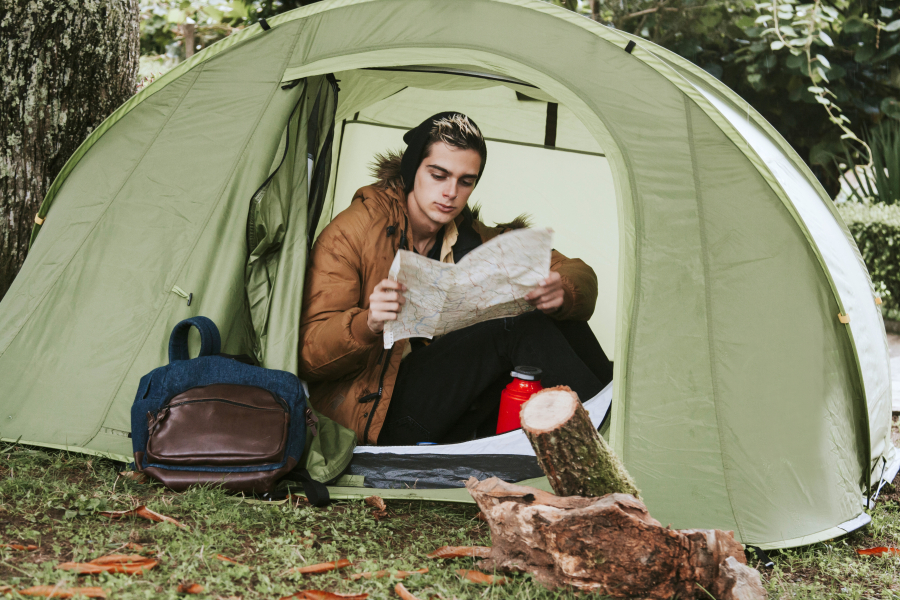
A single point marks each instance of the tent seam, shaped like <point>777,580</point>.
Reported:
<point>214,205</point>
<point>710,336</point>
<point>102,214</point>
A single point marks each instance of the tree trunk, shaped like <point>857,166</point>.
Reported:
<point>575,458</point>
<point>66,67</point>
<point>609,546</point>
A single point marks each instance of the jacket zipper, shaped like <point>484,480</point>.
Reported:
<point>377,395</point>
<point>404,244</point>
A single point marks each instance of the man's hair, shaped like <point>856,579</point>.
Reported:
<point>459,131</point>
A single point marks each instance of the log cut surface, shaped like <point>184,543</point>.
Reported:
<point>609,545</point>
<point>575,458</point>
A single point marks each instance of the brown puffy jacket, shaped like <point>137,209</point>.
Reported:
<point>342,359</point>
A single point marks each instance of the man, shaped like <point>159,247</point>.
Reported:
<point>439,391</point>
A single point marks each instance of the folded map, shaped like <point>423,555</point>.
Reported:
<point>490,282</point>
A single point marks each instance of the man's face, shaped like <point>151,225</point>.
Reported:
<point>443,183</point>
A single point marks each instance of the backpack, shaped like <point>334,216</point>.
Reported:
<point>217,420</point>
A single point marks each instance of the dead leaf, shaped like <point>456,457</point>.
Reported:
<point>135,476</point>
<point>29,547</point>
<point>321,567</point>
<point>5,588</point>
<point>322,595</point>
<point>479,577</point>
<point>117,559</point>
<point>480,516</point>
<point>879,551</point>
<point>403,592</point>
<point>134,546</point>
<point>461,551</point>
<point>142,511</point>
<point>54,591</point>
<point>224,558</point>
<point>381,574</point>
<point>115,563</point>
<point>376,502</point>
<point>190,588</point>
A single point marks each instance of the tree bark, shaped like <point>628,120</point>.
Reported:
<point>575,458</point>
<point>609,545</point>
<point>67,66</point>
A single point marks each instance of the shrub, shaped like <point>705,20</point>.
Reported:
<point>876,228</point>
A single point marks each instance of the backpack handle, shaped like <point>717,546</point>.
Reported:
<point>210,341</point>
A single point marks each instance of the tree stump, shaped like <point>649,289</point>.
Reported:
<point>575,457</point>
<point>609,545</point>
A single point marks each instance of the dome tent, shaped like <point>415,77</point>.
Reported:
<point>752,390</point>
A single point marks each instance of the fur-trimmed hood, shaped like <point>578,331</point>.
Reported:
<point>385,168</point>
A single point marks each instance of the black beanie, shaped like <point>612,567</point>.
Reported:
<point>416,139</point>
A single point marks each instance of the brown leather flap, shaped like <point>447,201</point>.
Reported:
<point>219,425</point>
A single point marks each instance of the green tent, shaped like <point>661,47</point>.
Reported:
<point>752,386</point>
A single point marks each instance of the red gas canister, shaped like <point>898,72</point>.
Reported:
<point>526,381</point>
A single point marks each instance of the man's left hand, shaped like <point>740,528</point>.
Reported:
<point>548,296</point>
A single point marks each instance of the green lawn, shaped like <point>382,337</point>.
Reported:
<point>52,499</point>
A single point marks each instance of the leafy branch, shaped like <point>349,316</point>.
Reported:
<point>799,28</point>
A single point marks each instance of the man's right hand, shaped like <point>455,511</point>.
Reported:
<point>384,304</point>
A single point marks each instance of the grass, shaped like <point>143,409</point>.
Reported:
<point>52,499</point>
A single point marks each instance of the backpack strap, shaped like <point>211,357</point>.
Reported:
<point>316,491</point>
<point>210,341</point>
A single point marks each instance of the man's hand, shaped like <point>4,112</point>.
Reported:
<point>548,296</point>
<point>384,304</point>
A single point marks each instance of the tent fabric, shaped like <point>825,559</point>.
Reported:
<point>741,402</point>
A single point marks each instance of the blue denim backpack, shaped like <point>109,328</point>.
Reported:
<point>217,420</point>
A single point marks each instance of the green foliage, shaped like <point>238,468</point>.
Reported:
<point>854,51</point>
<point>876,229</point>
<point>881,181</point>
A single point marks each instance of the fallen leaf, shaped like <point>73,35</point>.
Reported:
<point>224,558</point>
<point>461,551</point>
<point>322,595</point>
<point>321,567</point>
<point>380,574</point>
<point>114,563</point>
<point>141,511</point>
<point>480,516</point>
<point>54,591</point>
<point>29,547</point>
<point>118,559</point>
<point>135,476</point>
<point>376,502</point>
<point>136,547</point>
<point>880,550</point>
<point>403,592</point>
<point>479,577</point>
<point>190,588</point>
<point>5,588</point>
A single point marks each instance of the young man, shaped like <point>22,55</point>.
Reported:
<point>443,390</point>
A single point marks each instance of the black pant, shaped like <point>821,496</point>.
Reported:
<point>446,390</point>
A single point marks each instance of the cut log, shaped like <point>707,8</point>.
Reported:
<point>608,545</point>
<point>575,457</point>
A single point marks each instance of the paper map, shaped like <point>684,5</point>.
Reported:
<point>489,283</point>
